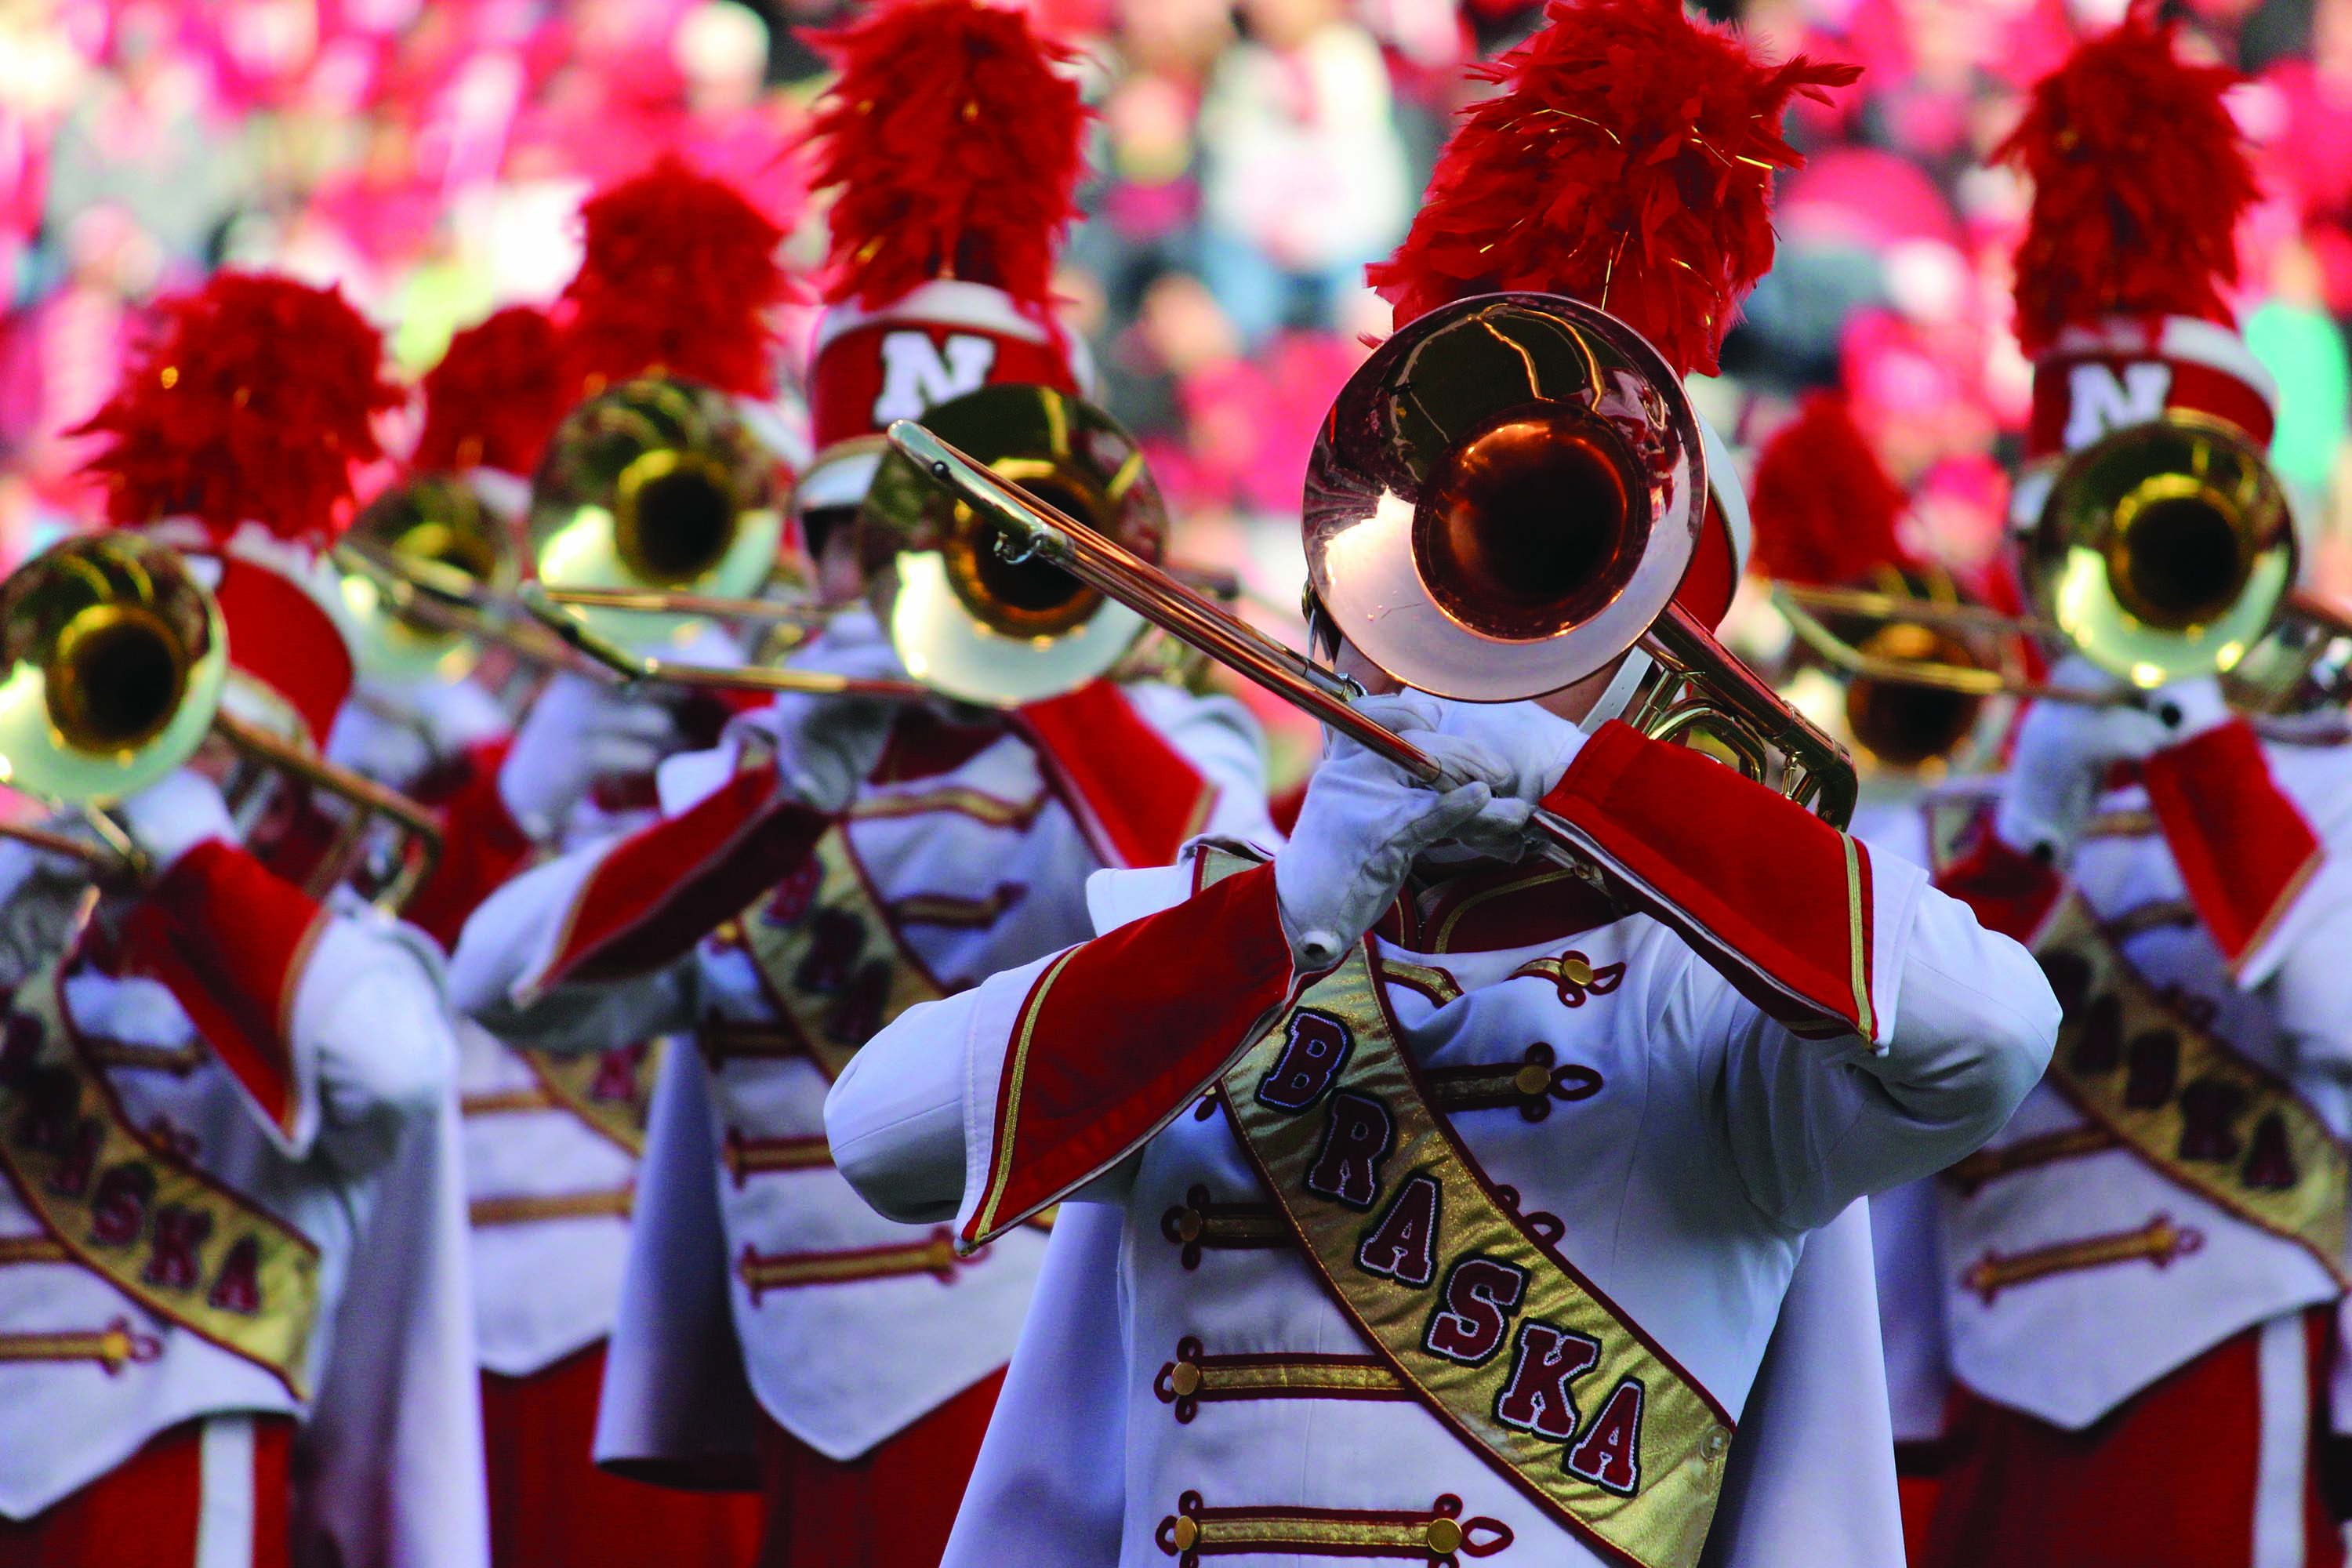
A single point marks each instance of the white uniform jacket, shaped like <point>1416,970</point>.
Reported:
<point>332,1120</point>
<point>550,1146</point>
<point>967,853</point>
<point>2075,1272</point>
<point>1678,1145</point>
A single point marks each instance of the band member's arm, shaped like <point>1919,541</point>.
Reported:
<point>1060,1068</point>
<point>332,1022</point>
<point>497,971</point>
<point>1811,1125</point>
<point>2244,849</point>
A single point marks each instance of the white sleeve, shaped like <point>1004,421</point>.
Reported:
<point>905,1115</point>
<point>511,938</point>
<point>371,1033</point>
<point>1812,1125</point>
<point>897,1115</point>
<point>2308,983</point>
<point>1219,737</point>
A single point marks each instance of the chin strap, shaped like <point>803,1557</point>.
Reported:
<point>1623,688</point>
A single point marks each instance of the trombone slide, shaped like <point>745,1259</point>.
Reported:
<point>1118,573</point>
<point>635,668</point>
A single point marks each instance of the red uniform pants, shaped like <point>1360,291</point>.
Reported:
<point>154,1508</point>
<point>551,1507</point>
<point>2183,1475</point>
<point>890,1507</point>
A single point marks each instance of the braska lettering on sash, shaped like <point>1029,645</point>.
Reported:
<point>2187,1101</point>
<point>1487,1326</point>
<point>132,1210</point>
<point>831,960</point>
<point>610,1091</point>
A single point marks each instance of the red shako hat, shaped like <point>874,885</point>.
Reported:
<point>1627,162</point>
<point>233,436</point>
<point>678,273</point>
<point>1823,508</point>
<point>2140,178</point>
<point>496,396</point>
<point>954,140</point>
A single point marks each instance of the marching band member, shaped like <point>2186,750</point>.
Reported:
<point>2139,1272</point>
<point>1420,1203</point>
<point>840,860</point>
<point>552,1142</point>
<point>233,1305</point>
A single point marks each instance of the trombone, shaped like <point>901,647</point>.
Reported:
<point>2163,551</point>
<point>1502,502</point>
<point>969,624</point>
<point>116,663</point>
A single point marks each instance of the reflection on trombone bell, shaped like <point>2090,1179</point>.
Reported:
<point>656,484</point>
<point>116,664</point>
<point>1537,463</point>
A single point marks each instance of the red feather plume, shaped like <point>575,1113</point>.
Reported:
<point>496,395</point>
<point>1627,163</point>
<point>676,277</point>
<point>1821,504</point>
<point>251,400</point>
<point>955,144</point>
<point>2140,175</point>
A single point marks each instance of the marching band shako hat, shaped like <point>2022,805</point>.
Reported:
<point>1823,508</point>
<point>953,139</point>
<point>232,438</point>
<point>497,394</point>
<point>679,274</point>
<point>1627,162</point>
<point>2140,177</point>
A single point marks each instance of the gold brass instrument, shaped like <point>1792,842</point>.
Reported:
<point>655,484</point>
<point>2163,551</point>
<point>974,620</point>
<point>116,666</point>
<point>969,623</point>
<point>1513,481</point>
<point>432,529</point>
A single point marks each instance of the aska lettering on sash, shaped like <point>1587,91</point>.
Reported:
<point>610,1091</point>
<point>1485,1323</point>
<point>2185,1100</point>
<point>131,1209</point>
<point>831,959</point>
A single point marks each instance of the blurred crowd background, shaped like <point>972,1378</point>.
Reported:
<point>429,156</point>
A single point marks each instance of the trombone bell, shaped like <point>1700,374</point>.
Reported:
<point>2164,550</point>
<point>974,614</point>
<point>114,658</point>
<point>436,518</point>
<point>655,484</point>
<point>1505,497</point>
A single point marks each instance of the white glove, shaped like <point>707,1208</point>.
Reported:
<point>397,732</point>
<point>1534,749</point>
<point>578,732</point>
<point>2064,752</point>
<point>175,815</point>
<point>827,746</point>
<point>1365,821</point>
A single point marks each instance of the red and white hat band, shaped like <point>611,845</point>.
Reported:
<point>939,341</point>
<point>2097,381</point>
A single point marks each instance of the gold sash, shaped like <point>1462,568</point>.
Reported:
<point>128,1207</point>
<point>2185,1100</point>
<point>608,1091</point>
<point>1489,1328</point>
<point>831,959</point>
